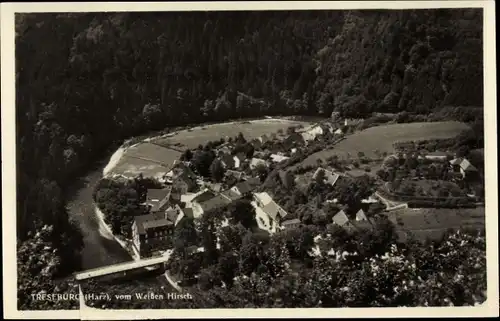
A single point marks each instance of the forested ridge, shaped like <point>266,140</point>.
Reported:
<point>85,81</point>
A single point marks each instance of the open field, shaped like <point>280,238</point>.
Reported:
<point>152,158</point>
<point>149,159</point>
<point>432,223</point>
<point>191,138</point>
<point>383,137</point>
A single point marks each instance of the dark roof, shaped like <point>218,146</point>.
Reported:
<point>141,219</point>
<point>158,193</point>
<point>158,223</point>
<point>362,225</point>
<point>244,187</point>
<point>235,174</point>
<point>158,198</point>
<point>214,203</point>
<point>203,196</point>
<point>231,195</point>
<point>188,212</point>
<point>253,181</point>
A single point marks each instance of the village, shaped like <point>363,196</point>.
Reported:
<point>243,167</point>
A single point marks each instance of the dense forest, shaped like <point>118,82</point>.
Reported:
<point>86,81</point>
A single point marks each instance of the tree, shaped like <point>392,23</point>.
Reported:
<point>261,171</point>
<point>202,161</point>
<point>242,211</point>
<point>320,177</point>
<point>187,155</point>
<point>184,235</point>
<point>217,170</point>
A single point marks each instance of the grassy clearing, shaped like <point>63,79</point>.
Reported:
<point>382,138</point>
<point>432,223</point>
<point>251,129</point>
<point>149,159</point>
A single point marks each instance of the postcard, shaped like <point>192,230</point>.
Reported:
<point>249,159</point>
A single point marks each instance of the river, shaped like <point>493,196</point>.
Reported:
<point>100,248</point>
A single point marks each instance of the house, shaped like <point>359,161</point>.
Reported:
<point>317,130</point>
<point>329,177</point>
<point>185,183</point>
<point>278,158</point>
<point>239,159</point>
<point>242,189</point>
<point>360,216</point>
<point>202,206</point>
<point>273,211</point>
<point>292,140</point>
<point>235,174</point>
<point>290,224</point>
<point>293,151</point>
<point>256,143</point>
<point>254,162</point>
<point>151,231</point>
<point>231,195</point>
<point>463,166</point>
<point>203,196</point>
<point>338,132</point>
<point>254,182</point>
<point>437,156</point>
<point>369,200</point>
<point>307,137</point>
<point>263,139</point>
<point>157,199</point>
<point>224,150</point>
<point>340,219</point>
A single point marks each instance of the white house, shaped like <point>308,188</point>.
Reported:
<point>360,216</point>
<point>330,177</point>
<point>340,219</point>
<point>276,158</point>
<point>463,166</point>
<point>437,156</point>
<point>274,212</point>
<point>239,159</point>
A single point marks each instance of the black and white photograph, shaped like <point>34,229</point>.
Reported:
<point>244,156</point>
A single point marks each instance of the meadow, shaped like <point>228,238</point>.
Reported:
<point>146,158</point>
<point>154,156</point>
<point>380,139</point>
<point>191,138</point>
<point>433,222</point>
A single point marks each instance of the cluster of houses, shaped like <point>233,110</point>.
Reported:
<point>458,165</point>
<point>186,196</point>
